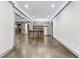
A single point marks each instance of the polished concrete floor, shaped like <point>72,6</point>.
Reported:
<point>38,48</point>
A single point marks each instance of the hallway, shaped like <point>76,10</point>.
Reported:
<point>38,48</point>
<point>39,29</point>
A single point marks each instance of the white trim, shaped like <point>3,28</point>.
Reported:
<point>67,47</point>
<point>20,10</point>
<point>6,52</point>
<point>61,8</point>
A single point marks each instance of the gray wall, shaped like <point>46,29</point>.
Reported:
<point>51,28</point>
<point>47,30</point>
<point>6,27</point>
<point>66,27</point>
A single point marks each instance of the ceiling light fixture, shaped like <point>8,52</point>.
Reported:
<point>33,16</point>
<point>26,6</point>
<point>52,5</point>
<point>48,16</point>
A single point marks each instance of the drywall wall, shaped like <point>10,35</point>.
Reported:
<point>66,27</point>
<point>51,28</point>
<point>47,30</point>
<point>6,27</point>
<point>26,28</point>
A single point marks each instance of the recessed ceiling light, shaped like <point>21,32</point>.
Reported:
<point>33,17</point>
<point>26,6</point>
<point>48,16</point>
<point>52,5</point>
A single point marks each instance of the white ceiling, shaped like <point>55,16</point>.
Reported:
<point>39,9</point>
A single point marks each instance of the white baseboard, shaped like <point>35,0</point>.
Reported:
<point>6,52</point>
<point>68,48</point>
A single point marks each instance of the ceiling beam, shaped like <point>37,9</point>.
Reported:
<point>59,10</point>
<point>19,16</point>
<point>20,10</point>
